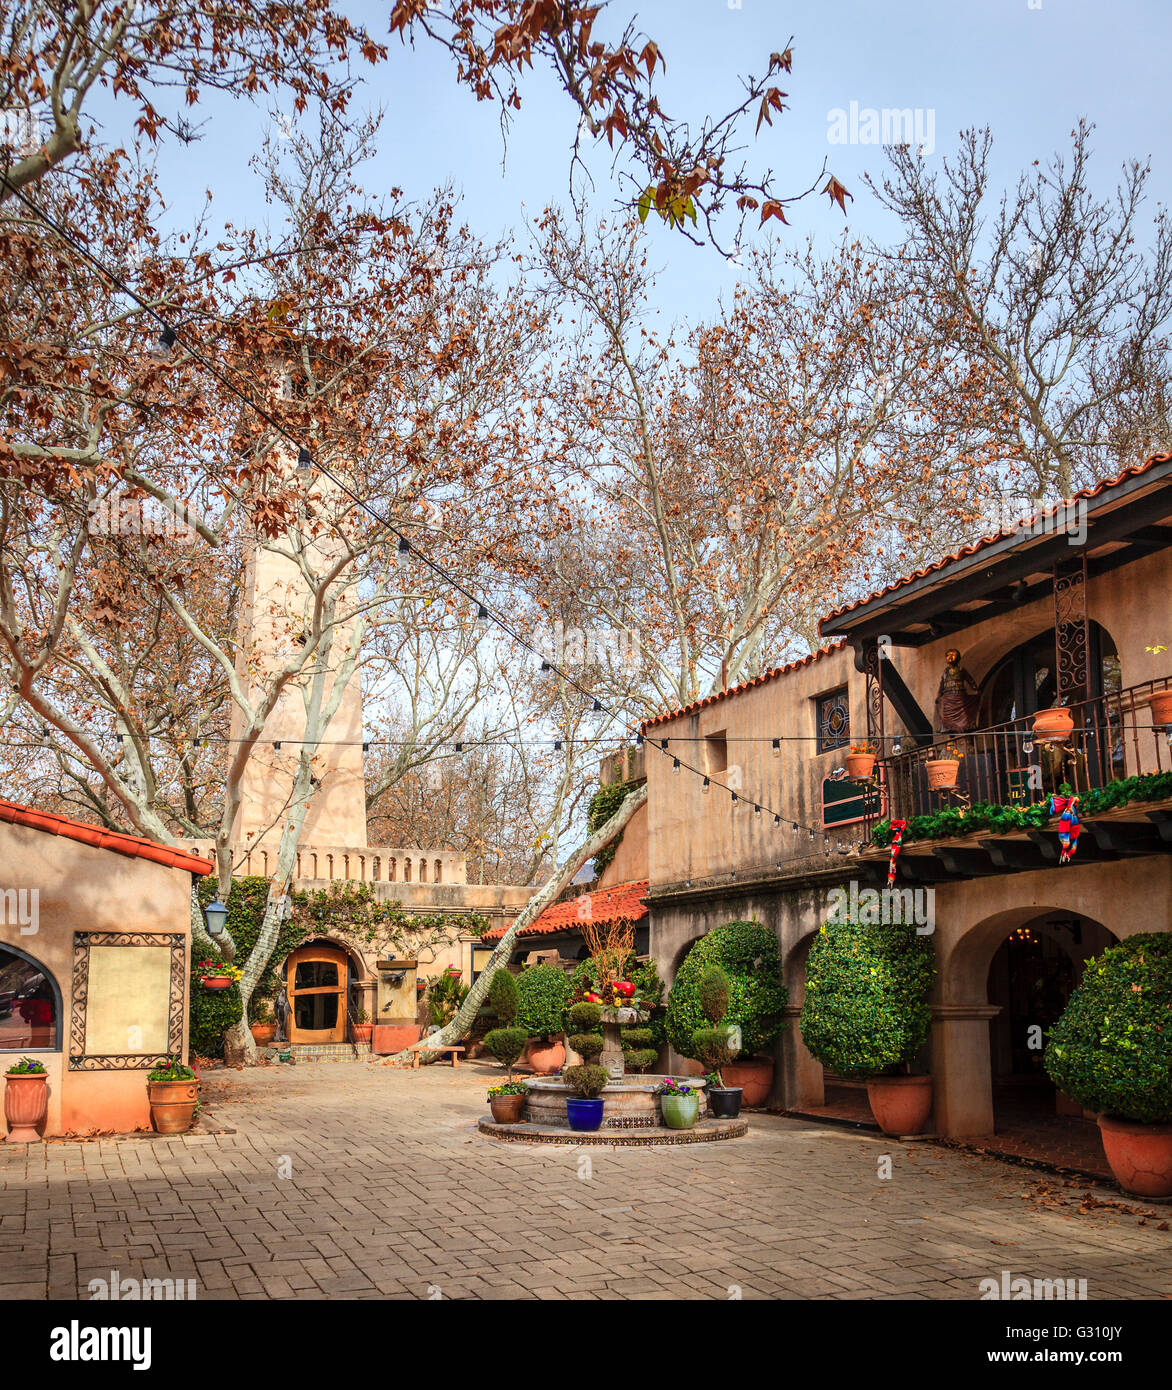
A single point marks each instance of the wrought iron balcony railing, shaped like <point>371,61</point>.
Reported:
<point>1113,737</point>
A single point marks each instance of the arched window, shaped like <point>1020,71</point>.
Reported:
<point>439,871</point>
<point>406,871</point>
<point>1025,680</point>
<point>30,1004</point>
<point>423,871</point>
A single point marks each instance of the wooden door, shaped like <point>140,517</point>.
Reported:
<point>315,983</point>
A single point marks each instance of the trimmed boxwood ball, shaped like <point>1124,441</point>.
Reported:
<point>748,954</point>
<point>587,1045</point>
<point>637,1037</point>
<point>544,991</point>
<point>640,1058</point>
<point>585,1016</point>
<point>714,990</point>
<point>506,1044</point>
<point>586,1082</point>
<point>503,997</point>
<point>1112,1048</point>
<point>866,1006</point>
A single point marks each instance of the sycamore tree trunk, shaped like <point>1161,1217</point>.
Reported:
<point>461,1025</point>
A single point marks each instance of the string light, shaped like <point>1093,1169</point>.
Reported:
<point>304,459</point>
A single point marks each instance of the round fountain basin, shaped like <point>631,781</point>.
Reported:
<point>631,1098</point>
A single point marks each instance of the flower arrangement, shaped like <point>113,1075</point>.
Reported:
<point>172,1070</point>
<point>670,1087</point>
<point>27,1066</point>
<point>864,747</point>
<point>219,969</point>
<point>508,1088</point>
<point>950,750</point>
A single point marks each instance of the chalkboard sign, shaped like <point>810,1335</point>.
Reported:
<point>846,800</point>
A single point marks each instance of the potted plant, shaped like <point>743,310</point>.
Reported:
<point>866,1013</point>
<point>714,1045</point>
<point>507,1101</point>
<point>173,1091</point>
<point>679,1103</point>
<point>1160,701</point>
<point>26,1098</point>
<point>943,769</point>
<point>361,1028</point>
<point>507,1042</point>
<point>748,954</point>
<point>860,761</point>
<point>1112,1052</point>
<point>543,991</point>
<point>218,974</point>
<point>1054,725</point>
<point>585,1041</point>
<point>584,1107</point>
<point>263,1027</point>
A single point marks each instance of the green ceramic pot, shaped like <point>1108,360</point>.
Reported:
<point>680,1112</point>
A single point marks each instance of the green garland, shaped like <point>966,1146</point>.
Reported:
<point>984,815</point>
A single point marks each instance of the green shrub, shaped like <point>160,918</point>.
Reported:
<point>586,1082</point>
<point>749,955</point>
<point>634,1037</point>
<point>503,997</point>
<point>640,1059</point>
<point>603,804</point>
<point>544,991</point>
<point>714,990</point>
<point>587,1045</point>
<point>711,1047</point>
<point>866,1007</point>
<point>585,1016</point>
<point>1112,1048</point>
<point>506,1045</point>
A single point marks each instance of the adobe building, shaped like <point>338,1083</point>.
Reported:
<point>1060,609</point>
<point>95,932</point>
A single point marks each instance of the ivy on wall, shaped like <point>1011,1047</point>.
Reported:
<point>603,804</point>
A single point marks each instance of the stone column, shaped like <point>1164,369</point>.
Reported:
<point>798,1081</point>
<point>962,1076</point>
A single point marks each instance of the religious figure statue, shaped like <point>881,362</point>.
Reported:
<point>281,1014</point>
<point>957,697</point>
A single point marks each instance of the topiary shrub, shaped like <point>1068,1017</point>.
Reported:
<point>503,997</point>
<point>587,1045</point>
<point>1112,1048</point>
<point>714,991</point>
<point>748,954</point>
<point>543,993</point>
<point>586,1082</point>
<point>506,1045</point>
<point>640,1058</point>
<point>585,1016</point>
<point>866,1006</point>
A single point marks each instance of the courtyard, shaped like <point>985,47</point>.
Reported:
<point>361,1181</point>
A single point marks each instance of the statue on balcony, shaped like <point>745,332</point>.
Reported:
<point>957,698</point>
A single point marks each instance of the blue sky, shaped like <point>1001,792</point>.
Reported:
<point>1027,69</point>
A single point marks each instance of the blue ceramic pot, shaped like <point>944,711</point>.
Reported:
<point>584,1115</point>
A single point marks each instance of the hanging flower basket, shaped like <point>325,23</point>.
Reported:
<point>215,974</point>
<point>215,982</point>
<point>942,773</point>
<point>860,765</point>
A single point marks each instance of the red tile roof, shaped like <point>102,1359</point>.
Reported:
<point>621,903</point>
<point>1085,494</point>
<point>133,846</point>
<point>763,679</point>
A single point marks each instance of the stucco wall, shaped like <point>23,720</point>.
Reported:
<point>82,888</point>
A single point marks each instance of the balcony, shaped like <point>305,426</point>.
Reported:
<point>1008,765</point>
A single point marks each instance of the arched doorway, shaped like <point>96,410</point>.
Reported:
<point>317,987</point>
<point>1032,974</point>
<point>1025,680</point>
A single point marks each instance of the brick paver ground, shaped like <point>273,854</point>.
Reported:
<point>357,1180</point>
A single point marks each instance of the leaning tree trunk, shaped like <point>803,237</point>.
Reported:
<point>461,1025</point>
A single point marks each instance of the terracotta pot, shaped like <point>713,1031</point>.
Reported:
<point>361,1032</point>
<point>1161,706</point>
<point>215,981</point>
<point>25,1101</point>
<point>263,1033</point>
<point>506,1110</point>
<point>860,765</point>
<point>900,1104</point>
<point>1053,725</point>
<point>754,1078</point>
<point>546,1057</point>
<point>1139,1155</point>
<point>172,1105</point>
<point>942,773</point>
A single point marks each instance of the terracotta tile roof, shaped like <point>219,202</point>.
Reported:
<point>622,902</point>
<point>133,846</point>
<point>1085,494</point>
<point>763,679</point>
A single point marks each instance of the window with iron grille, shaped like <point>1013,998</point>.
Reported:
<point>834,720</point>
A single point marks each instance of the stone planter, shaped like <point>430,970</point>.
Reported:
<point>633,1098</point>
<point>546,1057</point>
<point>1139,1155</point>
<point>172,1105</point>
<point>754,1078</point>
<point>900,1104</point>
<point>26,1099</point>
